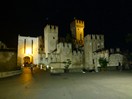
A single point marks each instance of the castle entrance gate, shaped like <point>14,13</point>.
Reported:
<point>27,61</point>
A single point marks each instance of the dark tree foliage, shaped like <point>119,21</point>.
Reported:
<point>103,62</point>
<point>128,40</point>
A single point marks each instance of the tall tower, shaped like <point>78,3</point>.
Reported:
<point>92,43</point>
<point>51,38</point>
<point>77,29</point>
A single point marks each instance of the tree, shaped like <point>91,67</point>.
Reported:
<point>103,62</point>
<point>67,64</point>
<point>129,60</point>
<point>129,52</point>
<point>128,40</point>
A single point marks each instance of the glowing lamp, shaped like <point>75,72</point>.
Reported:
<point>28,51</point>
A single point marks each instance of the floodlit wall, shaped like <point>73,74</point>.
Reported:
<point>115,59</point>
<point>51,38</point>
<point>77,29</point>
<point>64,52</point>
<point>92,43</point>
<point>28,46</point>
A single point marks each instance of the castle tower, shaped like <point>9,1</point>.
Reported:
<point>77,29</point>
<point>51,38</point>
<point>92,43</point>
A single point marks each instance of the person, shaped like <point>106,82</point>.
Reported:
<point>120,66</point>
<point>31,66</point>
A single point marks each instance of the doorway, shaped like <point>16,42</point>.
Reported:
<point>27,61</point>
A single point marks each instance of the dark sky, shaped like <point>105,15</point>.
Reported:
<point>113,18</point>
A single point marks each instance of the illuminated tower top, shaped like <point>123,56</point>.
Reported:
<point>77,29</point>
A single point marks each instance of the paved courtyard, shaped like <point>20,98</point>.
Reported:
<point>42,85</point>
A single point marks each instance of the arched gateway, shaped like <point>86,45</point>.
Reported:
<point>27,60</point>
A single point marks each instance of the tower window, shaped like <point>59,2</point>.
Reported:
<point>98,45</point>
<point>80,36</point>
<point>53,37</point>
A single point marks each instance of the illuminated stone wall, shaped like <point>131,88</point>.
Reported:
<point>98,55</point>
<point>77,59</point>
<point>92,43</point>
<point>94,49</point>
<point>64,52</point>
<point>77,29</point>
<point>54,52</point>
<point>50,38</point>
<point>115,58</point>
<point>28,46</point>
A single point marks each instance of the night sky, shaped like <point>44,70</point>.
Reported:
<point>113,18</point>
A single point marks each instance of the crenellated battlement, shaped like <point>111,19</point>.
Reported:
<point>105,51</point>
<point>79,23</point>
<point>51,28</point>
<point>112,50</point>
<point>102,37</point>
<point>117,49</point>
<point>94,37</point>
<point>64,45</point>
<point>76,53</point>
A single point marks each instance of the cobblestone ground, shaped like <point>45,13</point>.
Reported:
<point>42,85</point>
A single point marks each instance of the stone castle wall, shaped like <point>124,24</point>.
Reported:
<point>28,46</point>
<point>92,43</point>
<point>8,60</point>
<point>64,52</point>
<point>51,38</point>
<point>57,53</point>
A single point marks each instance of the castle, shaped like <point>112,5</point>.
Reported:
<point>50,52</point>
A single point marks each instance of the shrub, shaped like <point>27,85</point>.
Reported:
<point>103,62</point>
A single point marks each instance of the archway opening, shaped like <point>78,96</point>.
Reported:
<point>27,61</point>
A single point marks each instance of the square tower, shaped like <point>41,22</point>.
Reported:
<point>77,29</point>
<point>92,43</point>
<point>51,38</point>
